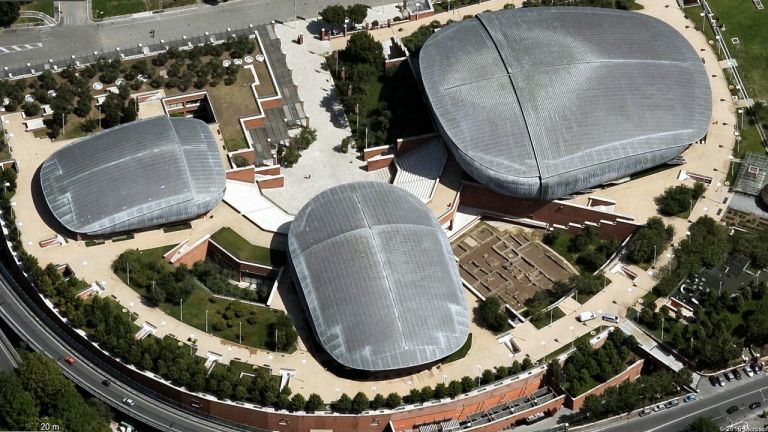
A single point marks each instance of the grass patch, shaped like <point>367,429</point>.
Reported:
<point>89,243</point>
<point>44,6</point>
<point>109,8</point>
<point>167,4</point>
<point>581,339</point>
<point>255,320</point>
<point>733,171</point>
<point>74,130</point>
<point>235,244</point>
<point>750,142</point>
<point>461,353</point>
<point>234,144</point>
<point>177,227</point>
<point>544,318</point>
<point>231,103</point>
<point>123,238</point>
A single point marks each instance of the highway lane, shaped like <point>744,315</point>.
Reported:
<point>713,406</point>
<point>83,372</point>
<point>9,358</point>
<point>72,37</point>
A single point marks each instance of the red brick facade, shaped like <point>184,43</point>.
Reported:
<point>268,170</point>
<point>375,151</point>
<point>272,103</point>
<point>254,123</point>
<point>404,145</point>
<point>271,182</point>
<point>380,162</point>
<point>241,174</point>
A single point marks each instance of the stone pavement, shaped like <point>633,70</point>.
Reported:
<point>320,166</point>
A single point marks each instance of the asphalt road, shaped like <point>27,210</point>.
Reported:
<point>8,357</point>
<point>85,374</point>
<point>79,37</point>
<point>713,406</point>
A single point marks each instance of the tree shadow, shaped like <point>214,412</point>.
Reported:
<point>330,103</point>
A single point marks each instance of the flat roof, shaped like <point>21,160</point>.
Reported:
<point>378,278</point>
<point>137,175</point>
<point>544,102</point>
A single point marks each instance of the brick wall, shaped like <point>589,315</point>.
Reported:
<point>197,253</point>
<point>253,123</point>
<point>631,373</point>
<point>241,174</point>
<point>375,151</point>
<point>272,103</point>
<point>404,145</point>
<point>379,163</point>
<point>611,226</point>
<point>271,183</point>
<point>268,170</point>
<point>249,155</point>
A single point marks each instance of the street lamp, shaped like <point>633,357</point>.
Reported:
<point>572,328</point>
<point>181,309</point>
<point>543,347</point>
<point>741,118</point>
<point>702,14</point>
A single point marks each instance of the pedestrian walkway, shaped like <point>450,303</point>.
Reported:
<point>649,345</point>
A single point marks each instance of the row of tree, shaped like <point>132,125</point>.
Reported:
<point>336,15</point>
<point>588,250</point>
<point>649,240</point>
<point>679,199</point>
<point>585,284</point>
<point>587,367</point>
<point>37,393</point>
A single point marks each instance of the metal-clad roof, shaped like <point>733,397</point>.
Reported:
<point>543,102</point>
<point>378,277</point>
<point>134,176</point>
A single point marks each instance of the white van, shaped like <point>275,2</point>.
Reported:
<point>611,318</point>
<point>586,316</point>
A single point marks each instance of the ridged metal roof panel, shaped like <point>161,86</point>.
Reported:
<point>133,176</point>
<point>586,90</point>
<point>378,278</point>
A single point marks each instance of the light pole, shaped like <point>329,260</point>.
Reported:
<point>662,328</point>
<point>572,339</point>
<point>181,309</point>
<point>206,320</point>
<point>551,310</point>
<point>544,348</point>
<point>702,14</point>
<point>654,256</point>
<point>241,332</point>
<point>478,374</point>
<point>741,118</point>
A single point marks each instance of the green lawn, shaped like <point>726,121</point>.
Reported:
<point>543,319</point>
<point>44,6</point>
<point>234,144</point>
<point>750,141</point>
<point>108,8</point>
<point>583,338</point>
<point>244,250</point>
<point>254,335</point>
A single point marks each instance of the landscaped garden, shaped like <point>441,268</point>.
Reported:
<point>181,291</point>
<point>585,250</point>
<point>70,93</point>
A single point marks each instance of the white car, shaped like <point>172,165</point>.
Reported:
<point>748,371</point>
<point>586,316</point>
<point>128,401</point>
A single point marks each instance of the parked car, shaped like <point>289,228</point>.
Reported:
<point>128,401</point>
<point>732,409</point>
<point>612,318</point>
<point>586,316</point>
<point>729,376</point>
<point>645,412</point>
<point>69,360</point>
<point>713,380</point>
<point>690,397</point>
<point>673,403</point>
<point>757,367</point>
<point>748,371</point>
<point>721,381</point>
<point>755,405</point>
<point>659,407</point>
<point>737,374</point>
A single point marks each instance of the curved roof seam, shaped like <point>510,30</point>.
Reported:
<point>380,259</point>
<point>514,90</point>
<point>362,229</point>
<point>180,149</point>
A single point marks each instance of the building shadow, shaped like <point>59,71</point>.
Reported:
<point>44,211</point>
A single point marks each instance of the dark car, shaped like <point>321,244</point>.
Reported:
<point>732,409</point>
<point>737,374</point>
<point>673,403</point>
<point>755,405</point>
<point>106,382</point>
<point>713,381</point>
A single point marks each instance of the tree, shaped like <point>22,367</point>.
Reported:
<point>703,424</point>
<point>334,15</point>
<point>394,400</point>
<point>31,109</point>
<point>307,136</point>
<point>357,13</point>
<point>314,403</point>
<point>363,48</point>
<point>9,13</point>
<point>19,410</point>
<point>489,315</point>
<point>343,404</point>
<point>297,402</point>
<point>678,199</point>
<point>649,239</point>
<point>378,401</point>
<point>288,156</point>
<point>283,335</point>
<point>359,402</point>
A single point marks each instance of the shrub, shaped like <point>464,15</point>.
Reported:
<point>489,315</point>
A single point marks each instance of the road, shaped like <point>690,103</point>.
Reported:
<point>9,358</point>
<point>713,406</point>
<point>31,328</point>
<point>78,36</point>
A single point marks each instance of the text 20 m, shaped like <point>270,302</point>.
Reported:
<point>49,427</point>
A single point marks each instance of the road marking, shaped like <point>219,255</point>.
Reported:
<point>695,413</point>
<point>20,47</point>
